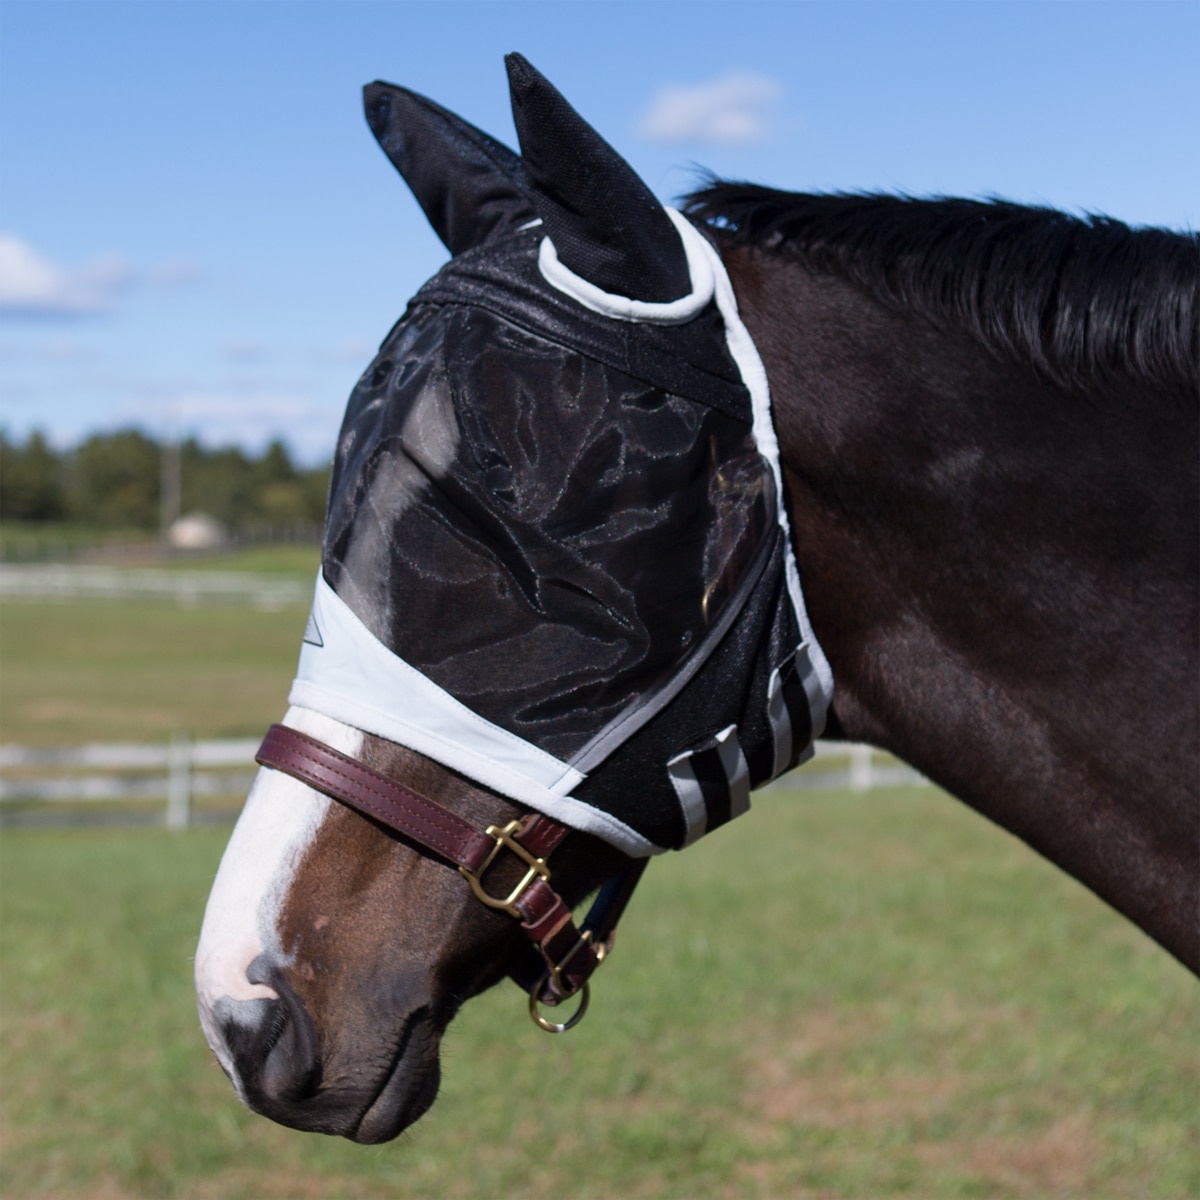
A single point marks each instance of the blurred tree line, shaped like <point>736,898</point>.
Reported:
<point>115,481</point>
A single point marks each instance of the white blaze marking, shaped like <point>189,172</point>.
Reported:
<point>276,827</point>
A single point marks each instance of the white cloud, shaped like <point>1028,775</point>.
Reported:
<point>31,284</point>
<point>732,108</point>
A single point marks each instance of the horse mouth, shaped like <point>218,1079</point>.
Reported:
<point>408,1089</point>
<point>343,1096</point>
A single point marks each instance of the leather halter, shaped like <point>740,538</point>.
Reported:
<point>561,957</point>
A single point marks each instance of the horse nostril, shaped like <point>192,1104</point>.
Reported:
<point>272,1043</point>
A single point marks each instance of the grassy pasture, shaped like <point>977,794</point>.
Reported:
<point>838,996</point>
<point>138,671</point>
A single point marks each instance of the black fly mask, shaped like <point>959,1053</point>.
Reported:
<point>556,556</point>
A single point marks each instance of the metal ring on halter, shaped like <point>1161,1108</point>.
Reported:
<point>584,995</point>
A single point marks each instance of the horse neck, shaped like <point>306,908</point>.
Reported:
<point>1003,578</point>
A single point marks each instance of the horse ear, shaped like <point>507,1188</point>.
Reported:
<point>603,220</point>
<point>473,189</point>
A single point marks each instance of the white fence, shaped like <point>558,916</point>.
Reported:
<point>865,768</point>
<point>72,581</point>
<point>172,773</point>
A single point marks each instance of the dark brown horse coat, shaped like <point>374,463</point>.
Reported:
<point>987,418</point>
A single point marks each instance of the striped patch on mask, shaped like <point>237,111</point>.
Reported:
<point>712,782</point>
<point>792,693</point>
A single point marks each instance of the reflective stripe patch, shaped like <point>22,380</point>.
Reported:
<point>780,716</point>
<point>712,782</point>
<point>791,693</point>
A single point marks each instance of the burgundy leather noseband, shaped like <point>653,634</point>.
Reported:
<point>561,957</point>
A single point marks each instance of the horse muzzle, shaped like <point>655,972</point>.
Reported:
<point>367,1088</point>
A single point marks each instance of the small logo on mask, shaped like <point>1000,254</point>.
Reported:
<point>312,632</point>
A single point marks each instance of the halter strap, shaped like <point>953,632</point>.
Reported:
<point>562,957</point>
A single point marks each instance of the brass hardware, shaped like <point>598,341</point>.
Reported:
<point>563,988</point>
<point>506,840</point>
<point>584,995</point>
<point>560,985</point>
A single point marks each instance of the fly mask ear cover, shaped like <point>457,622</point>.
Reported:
<point>556,555</point>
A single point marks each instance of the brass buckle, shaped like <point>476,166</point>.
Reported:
<point>555,973</point>
<point>506,840</point>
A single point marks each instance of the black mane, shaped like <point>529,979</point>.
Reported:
<point>1088,300</point>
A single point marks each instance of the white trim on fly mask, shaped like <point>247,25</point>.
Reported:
<point>754,375</point>
<point>623,308</point>
<point>710,281</point>
<point>347,673</point>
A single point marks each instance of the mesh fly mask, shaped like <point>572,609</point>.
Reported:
<point>556,555</point>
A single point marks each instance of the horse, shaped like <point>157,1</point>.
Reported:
<point>632,506</point>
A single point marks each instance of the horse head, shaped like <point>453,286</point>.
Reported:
<point>557,604</point>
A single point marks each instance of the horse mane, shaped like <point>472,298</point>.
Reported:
<point>1088,301</point>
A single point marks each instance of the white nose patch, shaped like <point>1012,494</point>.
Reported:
<point>276,827</point>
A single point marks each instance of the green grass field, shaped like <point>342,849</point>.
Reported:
<point>836,997</point>
<point>865,996</point>
<point>140,671</point>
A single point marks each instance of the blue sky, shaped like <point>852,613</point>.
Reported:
<point>198,234</point>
